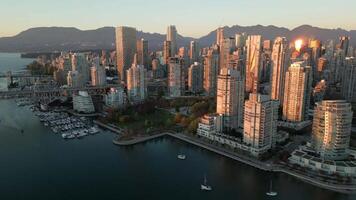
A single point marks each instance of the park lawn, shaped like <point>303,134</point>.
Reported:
<point>157,119</point>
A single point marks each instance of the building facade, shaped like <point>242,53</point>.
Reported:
<point>280,61</point>
<point>297,92</point>
<point>230,98</point>
<point>260,123</point>
<point>332,129</point>
<point>125,49</point>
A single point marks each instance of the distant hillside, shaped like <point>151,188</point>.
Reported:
<point>46,39</point>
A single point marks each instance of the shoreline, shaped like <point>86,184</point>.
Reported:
<point>344,189</point>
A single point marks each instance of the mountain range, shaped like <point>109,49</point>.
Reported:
<point>48,39</point>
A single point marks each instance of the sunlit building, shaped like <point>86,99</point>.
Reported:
<point>260,123</point>
<point>136,83</point>
<point>253,62</point>
<point>230,98</point>
<point>125,49</point>
<point>332,129</point>
<point>211,69</point>
<point>172,37</point>
<point>297,92</point>
<point>279,61</point>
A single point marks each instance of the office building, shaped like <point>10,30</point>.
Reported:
<point>125,49</point>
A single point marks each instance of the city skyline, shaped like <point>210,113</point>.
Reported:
<point>192,19</point>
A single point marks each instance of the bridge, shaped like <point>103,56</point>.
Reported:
<point>50,93</point>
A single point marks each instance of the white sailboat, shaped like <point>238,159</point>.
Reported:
<point>271,192</point>
<point>205,185</point>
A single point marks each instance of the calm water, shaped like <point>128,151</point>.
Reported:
<point>41,165</point>
<point>13,61</point>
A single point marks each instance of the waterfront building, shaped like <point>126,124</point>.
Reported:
<point>195,78</point>
<point>279,61</point>
<point>125,49</point>
<point>332,129</point>
<point>297,92</point>
<point>211,69</point>
<point>176,77</point>
<point>260,123</point>
<point>116,98</point>
<point>136,83</point>
<point>253,62</point>
<point>209,124</point>
<point>83,103</point>
<point>142,53</point>
<point>4,84</point>
<point>230,98</point>
<point>172,37</point>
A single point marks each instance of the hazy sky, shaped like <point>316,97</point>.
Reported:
<point>192,17</point>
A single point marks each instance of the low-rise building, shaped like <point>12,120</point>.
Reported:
<point>83,103</point>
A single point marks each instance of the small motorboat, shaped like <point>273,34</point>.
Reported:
<point>181,157</point>
<point>205,185</point>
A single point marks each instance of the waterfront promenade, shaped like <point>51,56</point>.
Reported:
<point>244,159</point>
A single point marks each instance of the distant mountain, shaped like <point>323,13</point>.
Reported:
<point>46,39</point>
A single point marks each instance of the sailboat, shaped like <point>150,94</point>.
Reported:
<point>205,185</point>
<point>271,192</point>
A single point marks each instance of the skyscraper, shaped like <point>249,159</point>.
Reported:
<point>125,49</point>
<point>227,46</point>
<point>230,97</point>
<point>280,59</point>
<point>98,75</point>
<point>195,78</point>
<point>136,83</point>
<point>240,40</point>
<point>297,92</point>
<point>349,80</point>
<point>211,69</point>
<point>81,65</point>
<point>176,78</point>
<point>172,37</point>
<point>167,51</point>
<point>142,53</point>
<point>332,129</point>
<point>260,123</point>
<point>194,52</point>
<point>219,35</point>
<point>253,61</point>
